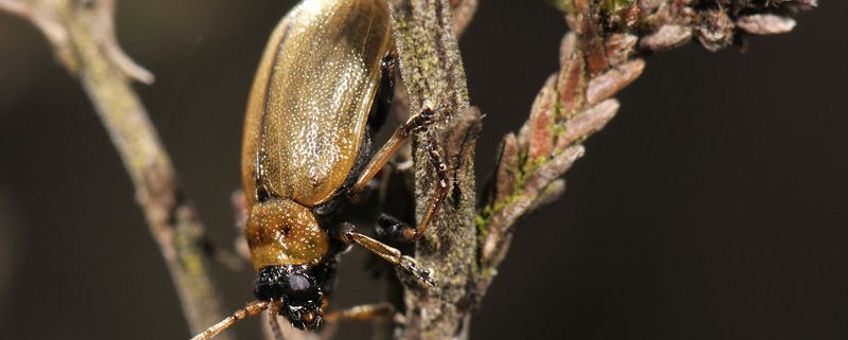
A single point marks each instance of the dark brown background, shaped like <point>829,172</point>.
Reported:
<point>712,207</point>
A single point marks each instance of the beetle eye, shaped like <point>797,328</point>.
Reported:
<point>301,289</point>
<point>298,282</point>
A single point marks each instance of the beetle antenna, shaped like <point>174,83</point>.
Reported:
<point>252,308</point>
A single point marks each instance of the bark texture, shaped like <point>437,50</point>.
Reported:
<point>431,68</point>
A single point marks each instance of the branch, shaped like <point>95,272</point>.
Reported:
<point>83,39</point>
<point>597,59</point>
<point>432,72</point>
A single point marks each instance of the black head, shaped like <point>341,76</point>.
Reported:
<point>298,291</point>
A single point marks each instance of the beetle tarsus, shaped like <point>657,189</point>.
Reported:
<point>439,193</point>
<point>419,121</point>
<point>422,274</point>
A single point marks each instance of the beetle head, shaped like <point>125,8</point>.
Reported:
<point>297,289</point>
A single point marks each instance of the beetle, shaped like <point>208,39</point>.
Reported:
<point>324,82</point>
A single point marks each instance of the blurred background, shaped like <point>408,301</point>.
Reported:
<point>712,207</point>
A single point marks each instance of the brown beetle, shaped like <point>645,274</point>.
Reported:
<point>323,83</point>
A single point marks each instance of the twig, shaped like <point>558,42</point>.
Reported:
<point>82,35</point>
<point>463,12</point>
<point>596,61</point>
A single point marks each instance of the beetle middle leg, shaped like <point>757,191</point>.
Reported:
<point>389,227</point>
<point>385,153</point>
<point>347,233</point>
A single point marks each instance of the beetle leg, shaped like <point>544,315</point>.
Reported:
<point>273,310</point>
<point>361,313</point>
<point>385,93</point>
<point>347,233</point>
<point>390,228</point>
<point>379,160</point>
<point>252,308</point>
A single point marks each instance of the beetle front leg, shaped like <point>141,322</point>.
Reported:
<point>361,312</point>
<point>273,310</point>
<point>382,157</point>
<point>346,232</point>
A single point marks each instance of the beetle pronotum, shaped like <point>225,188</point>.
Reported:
<point>325,76</point>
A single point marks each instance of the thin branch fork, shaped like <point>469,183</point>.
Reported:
<point>83,38</point>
